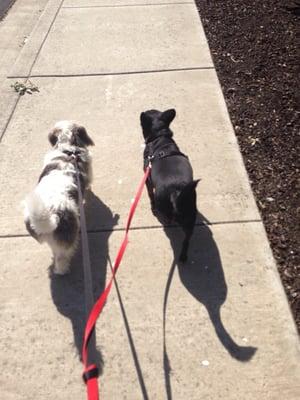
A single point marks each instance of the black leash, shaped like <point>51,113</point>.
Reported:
<point>87,272</point>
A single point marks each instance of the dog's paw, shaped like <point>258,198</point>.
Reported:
<point>61,272</point>
<point>60,269</point>
<point>116,218</point>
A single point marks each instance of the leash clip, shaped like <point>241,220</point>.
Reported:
<point>150,158</point>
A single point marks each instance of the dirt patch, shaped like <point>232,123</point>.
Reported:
<point>255,51</point>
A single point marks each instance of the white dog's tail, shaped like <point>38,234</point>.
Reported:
<point>42,219</point>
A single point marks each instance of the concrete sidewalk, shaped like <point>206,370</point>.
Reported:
<point>217,328</point>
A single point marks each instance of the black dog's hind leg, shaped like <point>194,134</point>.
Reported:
<point>188,229</point>
<point>151,195</point>
<point>186,203</point>
<point>185,246</point>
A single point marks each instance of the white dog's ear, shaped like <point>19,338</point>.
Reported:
<point>83,136</point>
<point>53,136</point>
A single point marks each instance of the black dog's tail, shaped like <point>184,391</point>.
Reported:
<point>182,198</point>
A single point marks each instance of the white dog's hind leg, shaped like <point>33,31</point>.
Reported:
<point>61,264</point>
<point>62,260</point>
<point>62,256</point>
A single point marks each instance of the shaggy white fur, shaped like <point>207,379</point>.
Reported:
<point>51,211</point>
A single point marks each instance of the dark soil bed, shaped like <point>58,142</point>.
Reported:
<point>255,48</point>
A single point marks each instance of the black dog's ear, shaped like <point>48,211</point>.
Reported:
<point>146,121</point>
<point>196,182</point>
<point>84,137</point>
<point>168,116</point>
<point>53,136</point>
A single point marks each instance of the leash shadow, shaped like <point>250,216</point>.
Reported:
<point>68,291</point>
<point>130,339</point>
<point>166,360</point>
<point>203,277</point>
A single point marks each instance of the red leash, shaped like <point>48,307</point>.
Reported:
<point>90,373</point>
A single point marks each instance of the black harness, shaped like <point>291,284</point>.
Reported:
<point>167,150</point>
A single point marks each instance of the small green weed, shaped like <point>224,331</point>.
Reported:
<point>27,87</point>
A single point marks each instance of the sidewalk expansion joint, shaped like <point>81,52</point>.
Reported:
<point>153,71</point>
<point>148,227</point>
<point>132,5</point>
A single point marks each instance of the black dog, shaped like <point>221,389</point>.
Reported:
<point>171,187</point>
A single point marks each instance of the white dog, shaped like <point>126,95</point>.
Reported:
<point>51,210</point>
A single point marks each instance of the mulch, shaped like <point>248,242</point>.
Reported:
<point>255,49</point>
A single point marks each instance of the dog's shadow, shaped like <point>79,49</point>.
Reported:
<point>68,291</point>
<point>203,277</point>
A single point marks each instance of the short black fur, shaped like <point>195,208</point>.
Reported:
<point>171,188</point>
